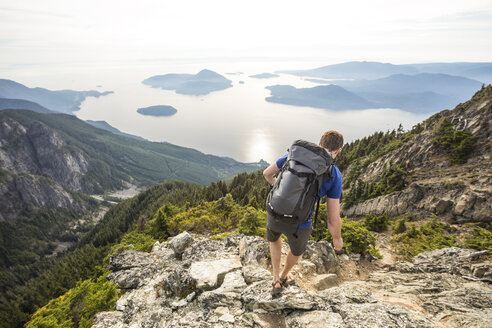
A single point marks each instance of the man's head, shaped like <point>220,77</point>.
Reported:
<point>332,141</point>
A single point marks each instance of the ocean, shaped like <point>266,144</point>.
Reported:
<point>236,122</point>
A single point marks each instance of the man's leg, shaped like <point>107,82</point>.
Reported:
<point>290,261</point>
<point>275,253</point>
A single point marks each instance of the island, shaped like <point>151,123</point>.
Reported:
<point>64,101</point>
<point>202,83</point>
<point>418,93</point>
<point>160,110</point>
<point>264,76</point>
<point>326,96</point>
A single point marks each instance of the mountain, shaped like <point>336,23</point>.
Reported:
<point>420,93</point>
<point>422,184</point>
<point>64,101</point>
<point>437,168</point>
<point>22,104</point>
<point>355,70</point>
<point>202,83</point>
<point>328,96</point>
<point>105,126</point>
<point>477,71</point>
<point>375,70</point>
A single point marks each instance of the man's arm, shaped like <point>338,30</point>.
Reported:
<point>269,173</point>
<point>334,221</point>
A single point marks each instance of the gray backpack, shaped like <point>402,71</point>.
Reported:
<point>296,190</point>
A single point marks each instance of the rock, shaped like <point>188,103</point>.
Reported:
<point>233,282</point>
<point>267,320</point>
<point>254,273</point>
<point>315,319</point>
<point>325,281</point>
<point>180,242</point>
<point>346,294</point>
<point>210,274</point>
<point>254,251</point>
<point>482,270</point>
<point>177,283</point>
<point>113,319</point>
<point>221,310</point>
<point>258,296</point>
<point>227,318</point>
<point>129,259</point>
<point>442,206</point>
<point>129,279</point>
<point>381,315</point>
<point>452,260</point>
<point>322,255</point>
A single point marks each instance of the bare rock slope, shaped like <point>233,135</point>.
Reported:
<point>457,192</point>
<point>192,281</point>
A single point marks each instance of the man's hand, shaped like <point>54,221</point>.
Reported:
<point>338,244</point>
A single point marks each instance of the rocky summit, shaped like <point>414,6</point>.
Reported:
<point>192,281</point>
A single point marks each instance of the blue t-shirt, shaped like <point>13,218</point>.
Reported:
<point>331,188</point>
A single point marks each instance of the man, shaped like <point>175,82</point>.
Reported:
<point>298,235</point>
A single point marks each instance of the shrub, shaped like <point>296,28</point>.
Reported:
<point>400,226</point>
<point>215,217</point>
<point>356,237</point>
<point>223,235</point>
<point>377,223</point>
<point>140,240</point>
<point>78,306</point>
<point>480,239</point>
<point>457,144</point>
<point>253,222</point>
<point>429,236</point>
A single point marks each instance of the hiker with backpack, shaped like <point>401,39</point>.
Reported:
<point>299,180</point>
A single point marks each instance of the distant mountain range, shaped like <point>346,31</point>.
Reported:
<point>64,101</point>
<point>23,104</point>
<point>203,83</point>
<point>375,70</point>
<point>422,93</point>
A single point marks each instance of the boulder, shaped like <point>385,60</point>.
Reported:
<point>324,281</point>
<point>180,242</point>
<point>210,274</point>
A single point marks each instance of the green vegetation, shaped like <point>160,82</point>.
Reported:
<point>115,158</point>
<point>77,307</point>
<point>377,223</point>
<point>400,226</point>
<point>480,239</point>
<point>456,143</point>
<point>145,217</point>
<point>356,237</point>
<point>429,236</point>
<point>483,93</point>
<point>393,179</point>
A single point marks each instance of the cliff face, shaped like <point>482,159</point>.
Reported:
<point>38,169</point>
<point>457,192</point>
<point>192,281</point>
<point>37,149</point>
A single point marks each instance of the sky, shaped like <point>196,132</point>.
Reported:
<point>64,32</point>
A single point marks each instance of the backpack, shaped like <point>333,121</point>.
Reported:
<point>296,190</point>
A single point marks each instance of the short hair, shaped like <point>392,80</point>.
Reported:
<point>331,140</point>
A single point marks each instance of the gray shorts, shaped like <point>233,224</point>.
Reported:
<point>297,245</point>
